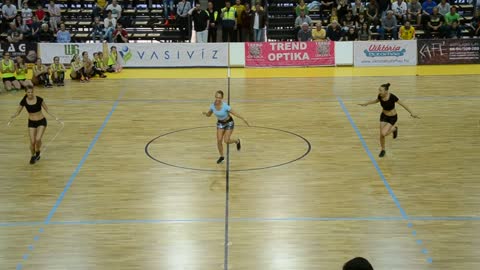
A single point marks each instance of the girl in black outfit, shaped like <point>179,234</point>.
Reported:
<point>388,118</point>
<point>36,120</point>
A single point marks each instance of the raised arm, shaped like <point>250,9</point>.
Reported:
<point>373,101</point>
<point>232,112</point>
<point>408,110</point>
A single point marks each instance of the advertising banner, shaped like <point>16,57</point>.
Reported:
<point>449,51</point>
<point>385,53</point>
<point>25,49</point>
<point>278,54</point>
<point>146,54</point>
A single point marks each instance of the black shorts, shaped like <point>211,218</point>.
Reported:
<point>9,79</point>
<point>36,124</point>
<point>388,119</point>
<point>227,124</point>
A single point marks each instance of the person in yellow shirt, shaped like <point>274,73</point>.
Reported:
<point>240,8</point>
<point>319,34</point>
<point>407,32</point>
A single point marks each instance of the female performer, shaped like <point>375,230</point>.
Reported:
<point>388,117</point>
<point>36,121</point>
<point>225,123</point>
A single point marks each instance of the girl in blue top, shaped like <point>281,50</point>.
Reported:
<point>225,123</point>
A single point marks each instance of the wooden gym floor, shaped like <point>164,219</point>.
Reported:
<point>131,181</point>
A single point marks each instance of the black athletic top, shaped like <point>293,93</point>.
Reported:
<point>390,103</point>
<point>32,108</point>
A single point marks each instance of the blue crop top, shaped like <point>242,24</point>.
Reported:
<point>222,114</point>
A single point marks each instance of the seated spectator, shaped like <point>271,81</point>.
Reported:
<point>451,16</point>
<point>63,35</point>
<point>27,14</point>
<point>301,7</point>
<point>98,30</point>
<point>98,66</point>
<point>475,25</point>
<point>334,32</point>
<point>334,16</point>
<point>406,32</point>
<point>372,13</point>
<point>87,65</point>
<point>7,68</point>
<point>120,35</point>
<point>348,21</point>
<point>435,24</point>
<point>21,71</point>
<point>341,10</point>
<point>54,15</point>
<point>99,8</point>
<point>364,33</point>
<point>327,5</point>
<point>443,7</point>
<point>77,72</point>
<point>58,72</point>
<point>111,58</point>
<point>14,34</point>
<point>358,8</point>
<point>414,11</point>
<point>427,9</point>
<point>454,30</point>
<point>9,12</point>
<point>304,34</point>
<point>400,8</point>
<point>34,29</point>
<point>40,14</point>
<point>351,34</point>
<point>299,21</point>
<point>319,34</point>
<point>389,25</point>
<point>41,74</point>
<point>360,20</point>
<point>358,263</point>
<point>109,24</point>
<point>45,34</point>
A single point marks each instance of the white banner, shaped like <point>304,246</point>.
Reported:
<point>385,53</point>
<point>146,54</point>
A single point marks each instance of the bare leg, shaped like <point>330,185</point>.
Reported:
<point>220,133</point>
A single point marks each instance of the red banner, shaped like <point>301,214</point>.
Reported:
<point>281,54</point>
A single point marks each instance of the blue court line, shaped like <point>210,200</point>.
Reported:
<point>379,171</point>
<point>246,219</point>
<point>74,174</point>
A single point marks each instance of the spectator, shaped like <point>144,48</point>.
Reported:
<point>116,10</point>
<point>87,65</point>
<point>27,14</point>
<point>21,71</point>
<point>389,25</point>
<point>40,13</point>
<point>55,15</point>
<point>454,30</point>
<point>259,23</point>
<point>120,35</point>
<point>247,18</point>
<point>229,22</point>
<point>14,34</point>
<point>334,17</point>
<point>200,22</point>
<point>63,35</point>
<point>340,10</point>
<point>358,8</point>
<point>168,8</point>
<point>41,74</point>
<point>109,23</point>
<point>334,32</point>
<point>326,5</point>
<point>9,12</point>
<point>435,24</point>
<point>182,19</point>
<point>45,34</point>
<point>348,21</point>
<point>112,59</point>
<point>364,33</point>
<point>214,20</point>
<point>319,34</point>
<point>475,25</point>
<point>372,13</point>
<point>240,9</point>
<point>414,11</point>
<point>98,30</point>
<point>427,9</point>
<point>7,68</point>
<point>360,20</point>
<point>99,67</point>
<point>301,7</point>
<point>305,34</point>
<point>351,34</point>
<point>451,16</point>
<point>77,72</point>
<point>443,7</point>
<point>383,6</point>
<point>34,29</point>
<point>406,32</point>
<point>99,8</point>
<point>358,263</point>
<point>300,20</point>
<point>400,8</point>
<point>58,71</point>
